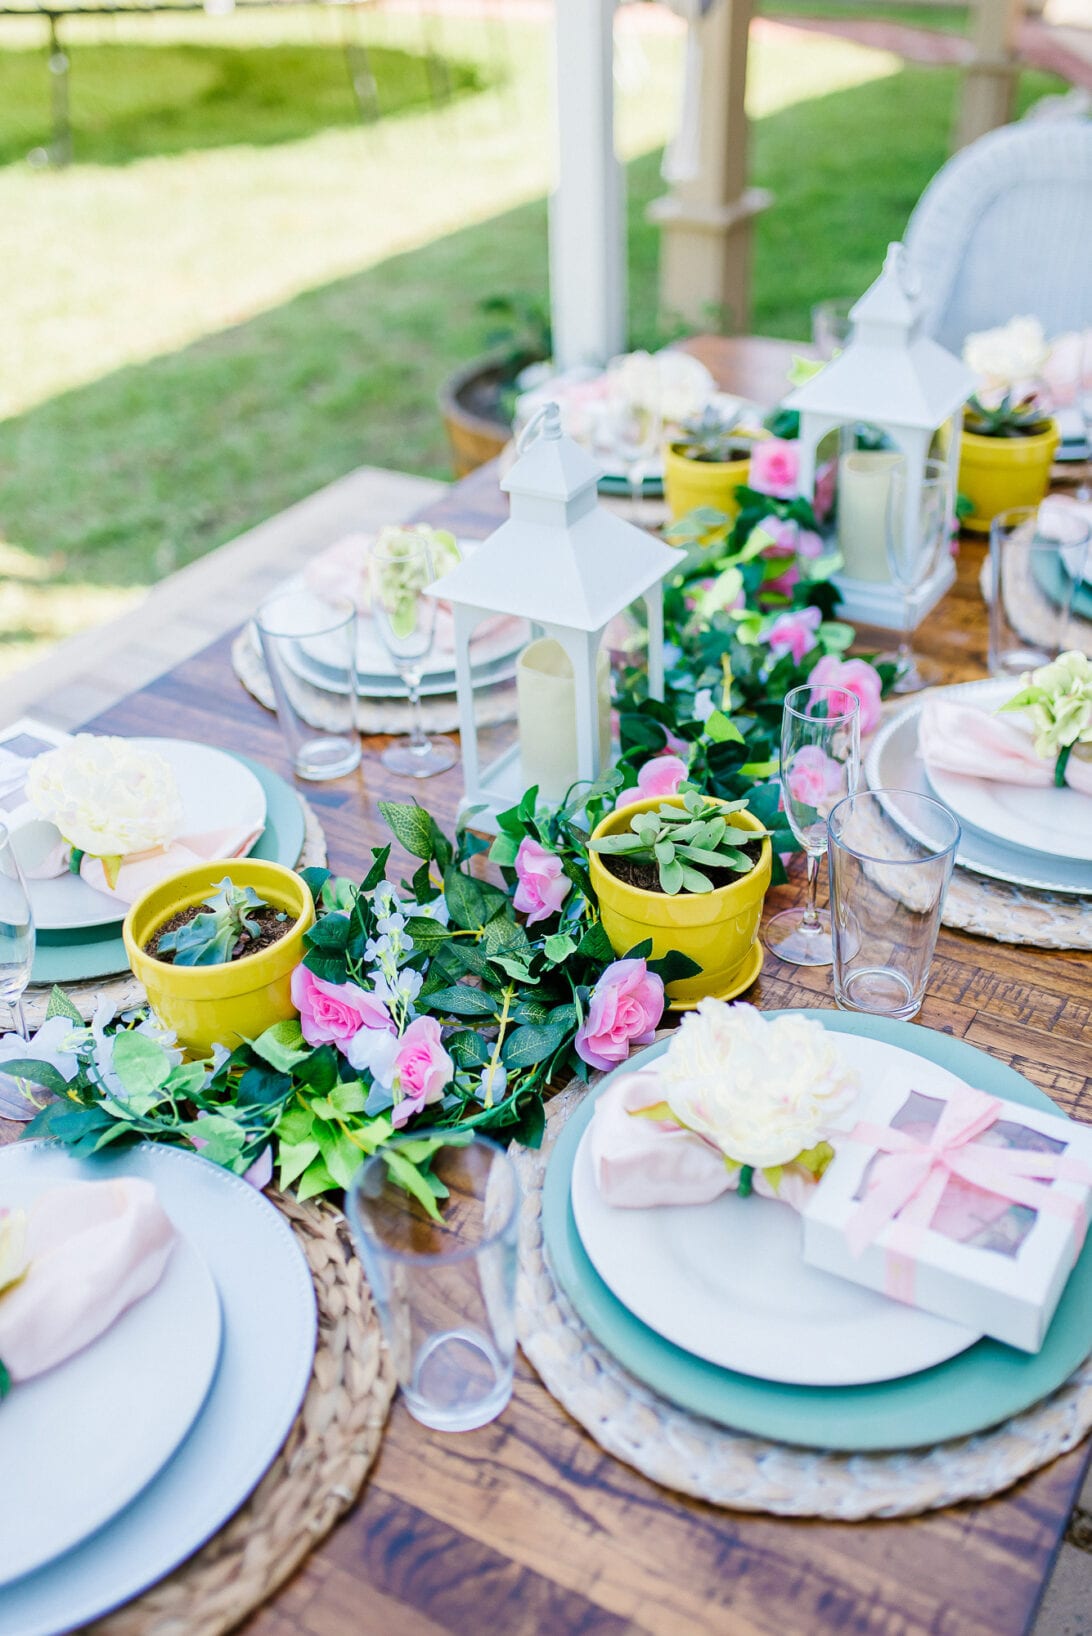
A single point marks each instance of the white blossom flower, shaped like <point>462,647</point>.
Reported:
<point>106,796</point>
<point>1058,699</point>
<point>762,1090</point>
<point>436,910</point>
<point>55,1042</point>
<point>1011,355</point>
<point>391,924</point>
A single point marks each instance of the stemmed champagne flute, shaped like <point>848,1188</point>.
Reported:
<point>820,764</point>
<point>16,932</point>
<point>1084,404</point>
<point>913,555</point>
<point>635,423</point>
<point>400,570</point>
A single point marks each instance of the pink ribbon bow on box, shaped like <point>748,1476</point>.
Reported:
<point>909,1179</point>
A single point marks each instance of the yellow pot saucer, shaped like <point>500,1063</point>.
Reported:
<point>749,971</point>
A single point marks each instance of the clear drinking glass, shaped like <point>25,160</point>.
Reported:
<point>309,646</point>
<point>401,569</point>
<point>1038,555</point>
<point>634,430</point>
<point>887,888</point>
<point>820,763</point>
<point>1084,404</point>
<point>16,932</point>
<point>913,556</point>
<point>445,1290</point>
<point>831,326</point>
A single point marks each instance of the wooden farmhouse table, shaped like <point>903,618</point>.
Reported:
<point>526,1528</point>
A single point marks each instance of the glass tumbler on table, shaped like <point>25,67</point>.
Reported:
<point>1038,556</point>
<point>309,647</point>
<point>888,882</point>
<point>445,1288</point>
<point>831,325</point>
<point>915,546</point>
<point>820,763</point>
<point>401,570</point>
<point>16,932</point>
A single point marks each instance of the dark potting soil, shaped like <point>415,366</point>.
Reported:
<point>272,930</point>
<point>646,876</point>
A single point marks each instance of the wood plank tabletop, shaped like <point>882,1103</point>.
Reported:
<point>526,1528</point>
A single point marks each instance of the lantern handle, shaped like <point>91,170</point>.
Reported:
<point>545,422</point>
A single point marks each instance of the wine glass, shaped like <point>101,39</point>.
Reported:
<point>16,932</point>
<point>820,763</point>
<point>1084,404</point>
<point>401,569</point>
<point>634,422</point>
<point>914,550</point>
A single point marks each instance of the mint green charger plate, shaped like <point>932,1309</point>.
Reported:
<point>98,951</point>
<point>981,1387</point>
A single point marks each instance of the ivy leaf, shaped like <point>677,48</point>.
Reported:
<point>378,871</point>
<point>5,1381</point>
<point>596,945</point>
<point>674,966</point>
<point>318,1072</point>
<point>503,851</point>
<point>409,1177</point>
<point>461,1001</point>
<point>294,1158</point>
<point>262,1086</point>
<point>142,1066</point>
<point>411,825</point>
<point>37,1073</point>
<point>315,1179</point>
<point>348,1098</point>
<point>294,1126</point>
<point>315,878</point>
<point>471,903</point>
<point>532,1043</point>
<point>723,731</point>
<point>558,948</point>
<point>282,1045</point>
<point>329,933</point>
<point>67,1122</point>
<point>503,935</point>
<point>331,966</point>
<point>222,1139</point>
<point>61,1006</point>
<point>513,966</point>
<point>342,1158</point>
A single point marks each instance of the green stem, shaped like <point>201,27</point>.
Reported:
<point>1060,766</point>
<point>494,1060</point>
<point>75,858</point>
<point>746,1177</point>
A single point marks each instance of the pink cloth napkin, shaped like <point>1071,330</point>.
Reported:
<point>958,738</point>
<point>641,1162</point>
<point>94,1248</point>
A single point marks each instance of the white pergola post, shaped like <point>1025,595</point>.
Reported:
<point>587,243</point>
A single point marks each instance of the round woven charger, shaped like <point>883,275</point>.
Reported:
<point>123,991</point>
<point>684,1452</point>
<point>1038,615</point>
<point>439,713</point>
<point>317,1474</point>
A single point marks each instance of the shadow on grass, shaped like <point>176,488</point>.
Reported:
<point>133,102</point>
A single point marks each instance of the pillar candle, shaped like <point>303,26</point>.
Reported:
<point>546,700</point>
<point>864,479</point>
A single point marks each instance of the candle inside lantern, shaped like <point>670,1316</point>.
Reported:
<point>864,479</point>
<point>546,699</point>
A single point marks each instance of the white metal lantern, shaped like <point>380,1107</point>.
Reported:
<point>568,566</point>
<point>893,378</point>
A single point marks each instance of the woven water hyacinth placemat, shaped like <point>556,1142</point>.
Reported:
<point>684,1452</point>
<point>317,1474</point>
<point>123,991</point>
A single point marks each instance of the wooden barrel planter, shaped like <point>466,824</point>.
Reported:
<point>472,403</point>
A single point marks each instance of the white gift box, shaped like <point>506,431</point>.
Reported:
<point>994,1206</point>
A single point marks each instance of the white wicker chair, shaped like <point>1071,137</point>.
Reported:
<point>1005,228</point>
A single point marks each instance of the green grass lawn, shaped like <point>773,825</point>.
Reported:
<point>237,294</point>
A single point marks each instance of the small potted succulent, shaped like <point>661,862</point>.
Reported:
<point>215,947</point>
<point>705,464</point>
<point>1005,456</point>
<point>691,873</point>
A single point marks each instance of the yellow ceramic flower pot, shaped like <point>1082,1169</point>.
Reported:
<point>718,929</point>
<point>998,473</point>
<point>208,1005</point>
<point>689,484</point>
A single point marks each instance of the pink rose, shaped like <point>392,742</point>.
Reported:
<point>543,887</point>
<point>783,532</point>
<point>774,465</point>
<point>826,482</point>
<point>809,544</point>
<point>783,585</point>
<point>794,633</point>
<point>334,1013</point>
<point>626,1005</point>
<point>856,676</point>
<point>422,1068</point>
<point>658,777</point>
<point>813,776</point>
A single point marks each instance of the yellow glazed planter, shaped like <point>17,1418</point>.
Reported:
<point>998,473</point>
<point>206,1005</point>
<point>689,484</point>
<point>718,929</point>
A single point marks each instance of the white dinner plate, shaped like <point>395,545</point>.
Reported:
<point>82,1440</point>
<point>894,763</point>
<point>727,1281</point>
<point>217,792</point>
<point>268,1307</point>
<point>332,679</point>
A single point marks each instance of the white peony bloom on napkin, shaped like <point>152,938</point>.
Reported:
<point>106,796</point>
<point>763,1090</point>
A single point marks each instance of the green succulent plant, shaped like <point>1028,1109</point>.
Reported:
<point>711,436</point>
<point>682,841</point>
<point>211,938</point>
<point>1006,419</point>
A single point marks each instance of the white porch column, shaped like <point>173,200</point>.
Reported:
<point>587,244</point>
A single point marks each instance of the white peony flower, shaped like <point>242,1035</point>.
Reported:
<point>1011,355</point>
<point>672,384</point>
<point>106,796</point>
<point>762,1090</point>
<point>1058,699</point>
